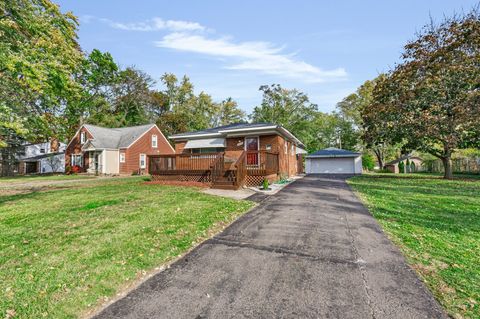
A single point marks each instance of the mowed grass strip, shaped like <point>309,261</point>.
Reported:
<point>63,252</point>
<point>42,178</point>
<point>436,223</point>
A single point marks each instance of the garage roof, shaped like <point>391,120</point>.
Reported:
<point>333,152</point>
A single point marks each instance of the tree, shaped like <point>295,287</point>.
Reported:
<point>290,108</point>
<point>432,100</point>
<point>39,56</point>
<point>228,113</point>
<point>359,109</point>
<point>183,111</point>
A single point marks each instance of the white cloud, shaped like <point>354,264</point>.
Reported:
<point>257,56</point>
<point>156,24</point>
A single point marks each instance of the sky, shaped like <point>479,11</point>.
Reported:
<point>230,48</point>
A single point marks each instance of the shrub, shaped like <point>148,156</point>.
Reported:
<point>68,170</point>
<point>265,184</point>
<point>75,169</point>
<point>412,166</point>
<point>368,162</point>
<point>401,167</point>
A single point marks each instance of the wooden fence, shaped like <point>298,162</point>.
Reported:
<point>459,165</point>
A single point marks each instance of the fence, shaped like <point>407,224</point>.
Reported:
<point>459,165</point>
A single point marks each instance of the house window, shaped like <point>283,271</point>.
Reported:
<point>42,150</point>
<point>293,149</point>
<point>207,150</point>
<point>122,157</point>
<point>154,141</point>
<point>143,161</point>
<point>286,147</point>
<point>82,138</point>
<point>76,160</point>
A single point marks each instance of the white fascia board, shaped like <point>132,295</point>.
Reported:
<point>187,137</point>
<point>332,156</point>
<point>250,129</point>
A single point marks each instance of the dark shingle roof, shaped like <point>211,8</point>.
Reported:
<point>334,152</point>
<point>225,127</point>
<point>114,138</point>
<point>402,158</point>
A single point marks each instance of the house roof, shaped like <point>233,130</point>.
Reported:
<point>115,138</point>
<point>402,158</point>
<point>39,157</point>
<point>235,128</point>
<point>333,152</point>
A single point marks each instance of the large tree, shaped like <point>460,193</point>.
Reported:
<point>39,57</point>
<point>288,107</point>
<point>432,99</point>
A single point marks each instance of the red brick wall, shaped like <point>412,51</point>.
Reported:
<point>144,146</point>
<point>75,147</point>
<point>288,164</point>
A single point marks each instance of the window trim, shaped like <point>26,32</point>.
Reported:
<point>121,158</point>
<point>83,137</point>
<point>155,139</point>
<point>144,161</point>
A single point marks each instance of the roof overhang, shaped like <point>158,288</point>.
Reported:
<point>262,130</point>
<point>301,151</point>
<point>334,156</point>
<point>205,143</point>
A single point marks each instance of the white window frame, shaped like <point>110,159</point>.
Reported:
<point>122,158</point>
<point>154,139</point>
<point>82,137</point>
<point>73,160</point>
<point>144,161</point>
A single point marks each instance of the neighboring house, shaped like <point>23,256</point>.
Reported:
<point>114,151</point>
<point>333,161</point>
<point>416,167</point>
<point>233,155</point>
<point>40,159</point>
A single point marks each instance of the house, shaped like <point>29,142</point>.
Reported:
<point>41,159</point>
<point>102,150</point>
<point>231,156</point>
<point>393,166</point>
<point>333,161</point>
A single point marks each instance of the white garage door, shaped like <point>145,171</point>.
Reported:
<point>330,165</point>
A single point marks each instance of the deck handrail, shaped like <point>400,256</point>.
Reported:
<point>241,169</point>
<point>217,167</point>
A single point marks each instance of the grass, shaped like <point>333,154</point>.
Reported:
<point>64,252</point>
<point>436,223</point>
<point>32,178</point>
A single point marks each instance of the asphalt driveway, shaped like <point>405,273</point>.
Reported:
<point>311,251</point>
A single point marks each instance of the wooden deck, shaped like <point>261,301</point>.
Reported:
<point>250,167</point>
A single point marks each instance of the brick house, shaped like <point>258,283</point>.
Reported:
<point>115,151</point>
<point>231,156</point>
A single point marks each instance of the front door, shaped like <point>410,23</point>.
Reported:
<point>251,146</point>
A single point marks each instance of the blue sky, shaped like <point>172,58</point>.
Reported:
<point>229,48</point>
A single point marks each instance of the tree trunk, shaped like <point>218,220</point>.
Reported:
<point>379,156</point>
<point>54,144</point>
<point>447,166</point>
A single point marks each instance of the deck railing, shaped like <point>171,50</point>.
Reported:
<point>240,169</point>
<point>262,162</point>
<point>165,164</point>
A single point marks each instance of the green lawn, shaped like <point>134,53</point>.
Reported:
<point>64,252</point>
<point>32,178</point>
<point>436,223</point>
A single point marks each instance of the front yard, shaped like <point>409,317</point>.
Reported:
<point>436,223</point>
<point>65,251</point>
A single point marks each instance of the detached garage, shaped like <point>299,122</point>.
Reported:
<point>333,161</point>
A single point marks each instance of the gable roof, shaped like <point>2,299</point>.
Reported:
<point>333,152</point>
<point>115,138</point>
<point>235,129</point>
<point>402,158</point>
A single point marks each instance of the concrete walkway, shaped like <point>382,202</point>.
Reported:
<point>310,251</point>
